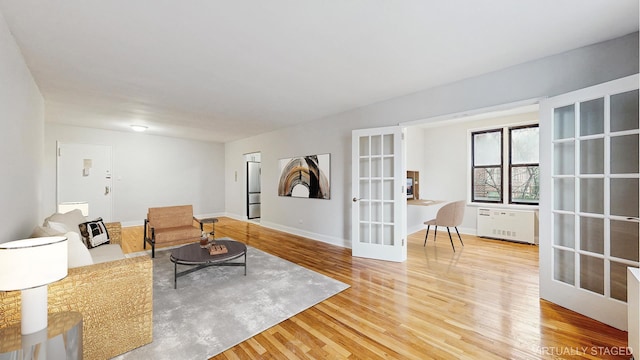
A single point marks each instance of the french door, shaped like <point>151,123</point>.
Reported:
<point>590,202</point>
<point>378,220</point>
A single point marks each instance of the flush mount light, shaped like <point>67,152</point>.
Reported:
<point>138,128</point>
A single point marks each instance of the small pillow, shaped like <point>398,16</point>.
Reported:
<point>94,233</point>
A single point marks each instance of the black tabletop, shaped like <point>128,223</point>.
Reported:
<point>193,254</point>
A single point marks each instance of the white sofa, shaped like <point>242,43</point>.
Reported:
<point>67,224</point>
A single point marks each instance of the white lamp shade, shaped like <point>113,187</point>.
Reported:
<point>65,207</point>
<point>30,263</point>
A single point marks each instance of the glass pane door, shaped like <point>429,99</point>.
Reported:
<point>593,202</point>
<point>379,194</point>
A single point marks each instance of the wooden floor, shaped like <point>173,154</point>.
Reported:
<point>478,303</point>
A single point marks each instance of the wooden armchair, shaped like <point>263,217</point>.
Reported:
<point>170,225</point>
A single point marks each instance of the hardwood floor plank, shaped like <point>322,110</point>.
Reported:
<point>480,302</point>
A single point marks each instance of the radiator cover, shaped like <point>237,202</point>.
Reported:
<point>513,225</point>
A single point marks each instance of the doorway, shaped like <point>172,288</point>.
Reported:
<point>84,175</point>
<point>253,190</point>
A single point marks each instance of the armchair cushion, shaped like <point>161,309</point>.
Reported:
<point>108,252</point>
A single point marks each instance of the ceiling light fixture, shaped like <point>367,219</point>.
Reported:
<point>139,128</point>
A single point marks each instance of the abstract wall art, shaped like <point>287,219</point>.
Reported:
<point>306,177</point>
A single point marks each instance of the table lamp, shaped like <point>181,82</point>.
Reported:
<point>68,206</point>
<point>30,265</point>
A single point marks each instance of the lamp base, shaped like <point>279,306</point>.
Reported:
<point>34,310</point>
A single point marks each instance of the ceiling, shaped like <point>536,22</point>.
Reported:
<point>226,70</point>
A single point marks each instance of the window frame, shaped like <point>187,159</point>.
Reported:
<point>506,199</point>
<point>473,166</point>
<point>511,165</point>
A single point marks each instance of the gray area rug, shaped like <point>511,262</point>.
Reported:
<point>216,308</point>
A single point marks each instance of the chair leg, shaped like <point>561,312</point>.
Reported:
<point>144,235</point>
<point>435,233</point>
<point>425,237</point>
<point>450,239</point>
<point>459,236</point>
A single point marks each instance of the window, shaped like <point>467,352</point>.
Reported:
<point>524,169</point>
<point>486,182</point>
<point>519,183</point>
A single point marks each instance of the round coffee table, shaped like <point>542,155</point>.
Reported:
<point>195,255</point>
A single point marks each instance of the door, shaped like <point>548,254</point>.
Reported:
<point>253,189</point>
<point>589,166</point>
<point>378,217</point>
<point>84,174</point>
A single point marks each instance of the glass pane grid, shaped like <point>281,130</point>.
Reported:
<point>624,132</point>
<point>564,158</point>
<point>592,273</point>
<point>607,155</point>
<point>564,122</point>
<point>387,143</point>
<point>624,111</point>
<point>487,148</point>
<point>376,145</point>
<point>618,281</point>
<point>525,184</point>
<point>592,117</point>
<point>364,145</point>
<point>525,145</point>
<point>624,154</point>
<point>564,266</point>
<point>592,155</point>
<point>487,184</point>
<point>591,137</point>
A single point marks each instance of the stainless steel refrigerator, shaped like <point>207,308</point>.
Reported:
<point>253,189</point>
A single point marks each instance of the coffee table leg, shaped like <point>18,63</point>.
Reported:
<point>175,275</point>
<point>245,263</point>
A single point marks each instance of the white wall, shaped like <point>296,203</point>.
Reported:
<point>297,215</point>
<point>148,171</point>
<point>330,220</point>
<point>21,139</point>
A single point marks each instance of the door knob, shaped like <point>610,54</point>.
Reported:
<point>355,199</point>
<point>106,190</point>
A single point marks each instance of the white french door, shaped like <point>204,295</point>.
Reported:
<point>84,174</point>
<point>378,220</point>
<point>590,198</point>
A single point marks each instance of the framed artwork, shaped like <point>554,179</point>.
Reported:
<point>305,177</point>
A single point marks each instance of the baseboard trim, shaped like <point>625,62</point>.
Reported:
<point>307,234</point>
<point>293,231</point>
